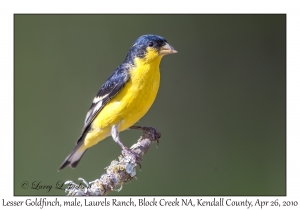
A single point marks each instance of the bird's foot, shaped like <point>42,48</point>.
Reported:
<point>153,132</point>
<point>129,153</point>
<point>150,132</point>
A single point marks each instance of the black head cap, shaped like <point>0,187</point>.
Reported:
<point>151,41</point>
<point>139,46</point>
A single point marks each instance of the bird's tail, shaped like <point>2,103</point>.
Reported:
<point>74,157</point>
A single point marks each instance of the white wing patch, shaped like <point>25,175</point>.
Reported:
<point>98,106</point>
<point>97,99</point>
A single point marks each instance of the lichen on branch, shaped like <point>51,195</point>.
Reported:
<point>118,172</point>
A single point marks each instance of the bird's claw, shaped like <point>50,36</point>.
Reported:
<point>135,157</point>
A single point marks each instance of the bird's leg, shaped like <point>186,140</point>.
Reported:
<point>116,137</point>
<point>137,127</point>
<point>155,135</point>
<point>125,150</point>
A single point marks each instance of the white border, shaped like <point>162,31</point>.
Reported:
<point>8,8</point>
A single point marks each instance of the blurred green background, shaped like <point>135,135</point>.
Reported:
<point>221,107</point>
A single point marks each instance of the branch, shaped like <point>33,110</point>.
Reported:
<point>118,172</point>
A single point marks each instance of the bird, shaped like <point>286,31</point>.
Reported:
<point>124,98</point>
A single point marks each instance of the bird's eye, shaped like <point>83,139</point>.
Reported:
<point>150,44</point>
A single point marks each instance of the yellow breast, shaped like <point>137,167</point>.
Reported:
<point>140,92</point>
<point>133,101</point>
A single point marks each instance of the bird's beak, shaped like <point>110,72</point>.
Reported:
<point>167,49</point>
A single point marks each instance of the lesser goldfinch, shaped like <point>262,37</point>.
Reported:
<point>125,97</point>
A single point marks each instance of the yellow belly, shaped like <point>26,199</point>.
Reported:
<point>129,105</point>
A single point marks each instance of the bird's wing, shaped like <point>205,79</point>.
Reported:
<point>109,89</point>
